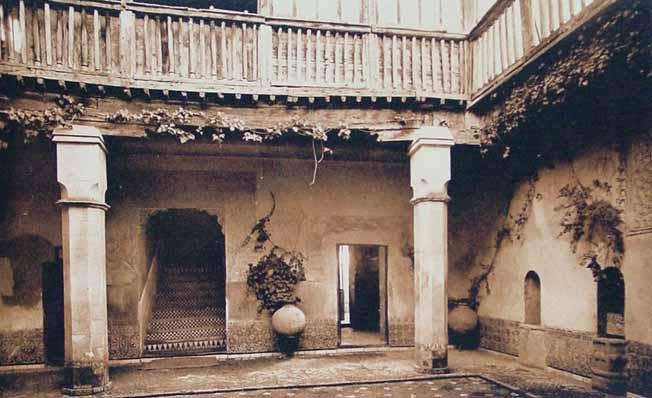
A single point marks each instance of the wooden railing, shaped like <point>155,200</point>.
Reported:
<point>512,31</point>
<point>141,46</point>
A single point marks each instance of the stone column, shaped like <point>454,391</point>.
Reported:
<point>430,167</point>
<point>81,172</point>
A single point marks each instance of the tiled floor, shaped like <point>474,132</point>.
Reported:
<point>444,388</point>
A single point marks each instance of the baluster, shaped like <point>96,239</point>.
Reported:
<point>213,49</point>
<point>192,56</point>
<point>202,49</point>
<point>328,61</point>
<point>233,29</point>
<point>423,63</point>
<point>433,66</point>
<point>84,39</point>
<point>289,55</point>
<point>394,62</point>
<point>223,50</point>
<point>345,58</point>
<point>47,25</point>
<point>503,42</point>
<point>308,74</point>
<point>182,49</point>
<point>413,57</point>
<point>318,57</point>
<point>159,46</point>
<point>511,36</point>
<point>96,39</point>
<point>36,32</point>
<point>107,34</point>
<point>23,31</point>
<point>254,57</point>
<point>71,37</point>
<point>299,60</point>
<point>356,74</point>
<point>442,57</point>
<point>59,44</point>
<point>245,61</point>
<point>146,62</point>
<point>387,61</point>
<point>404,68</point>
<point>171,56</point>
<point>336,72</point>
<point>573,8</point>
<point>366,63</point>
<point>279,53</point>
<point>560,9</point>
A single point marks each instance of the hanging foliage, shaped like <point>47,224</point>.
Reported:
<point>274,277</point>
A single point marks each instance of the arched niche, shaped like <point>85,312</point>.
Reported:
<point>532,298</point>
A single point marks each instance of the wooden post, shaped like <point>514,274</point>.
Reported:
<point>526,25</point>
<point>126,29</point>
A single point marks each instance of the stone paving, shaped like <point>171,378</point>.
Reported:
<point>361,372</point>
<point>443,388</point>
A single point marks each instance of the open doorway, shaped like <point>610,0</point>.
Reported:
<point>189,312</point>
<point>362,295</point>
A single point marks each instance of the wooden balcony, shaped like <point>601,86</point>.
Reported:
<point>514,33</point>
<point>134,46</point>
<point>140,46</point>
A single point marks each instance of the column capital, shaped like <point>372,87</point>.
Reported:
<point>79,134</point>
<point>431,136</point>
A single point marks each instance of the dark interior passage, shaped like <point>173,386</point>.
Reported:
<point>362,294</point>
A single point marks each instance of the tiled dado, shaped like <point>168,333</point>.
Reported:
<point>22,347</point>
<point>569,350</point>
<point>124,341</point>
<point>499,335</point>
<point>401,333</point>
<point>639,368</point>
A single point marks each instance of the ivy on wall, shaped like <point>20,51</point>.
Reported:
<point>586,86</point>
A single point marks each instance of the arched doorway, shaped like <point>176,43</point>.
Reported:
<point>189,311</point>
<point>532,297</point>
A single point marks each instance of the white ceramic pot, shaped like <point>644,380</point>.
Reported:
<point>289,320</point>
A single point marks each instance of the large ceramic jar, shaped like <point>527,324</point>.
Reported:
<point>289,320</point>
<point>462,319</point>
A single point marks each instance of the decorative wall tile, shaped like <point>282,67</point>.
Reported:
<point>499,335</point>
<point>639,368</point>
<point>22,347</point>
<point>401,333</point>
<point>569,350</point>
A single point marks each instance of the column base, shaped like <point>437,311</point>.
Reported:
<point>86,379</point>
<point>430,362</point>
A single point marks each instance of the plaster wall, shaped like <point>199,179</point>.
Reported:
<point>351,202</point>
<point>30,228</point>
<point>568,291</point>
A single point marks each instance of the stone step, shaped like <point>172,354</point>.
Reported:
<point>189,312</point>
<point>207,322</point>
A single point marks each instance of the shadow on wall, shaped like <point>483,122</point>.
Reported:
<point>20,284</point>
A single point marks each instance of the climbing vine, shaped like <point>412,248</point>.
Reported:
<point>536,117</point>
<point>511,228</point>
<point>274,277</point>
<point>589,218</point>
<point>28,125</point>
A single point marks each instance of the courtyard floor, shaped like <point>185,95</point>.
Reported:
<point>360,374</point>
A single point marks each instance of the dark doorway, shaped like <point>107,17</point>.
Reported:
<point>362,295</point>
<point>53,317</point>
<point>189,312</point>
<point>611,303</point>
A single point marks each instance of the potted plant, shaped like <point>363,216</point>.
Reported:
<point>273,280</point>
